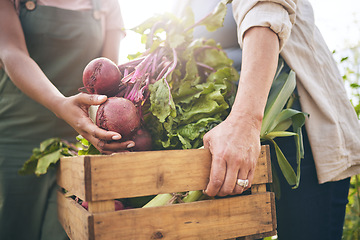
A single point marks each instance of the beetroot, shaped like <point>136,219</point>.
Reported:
<point>102,76</point>
<point>119,205</point>
<point>142,139</point>
<point>85,205</point>
<point>119,115</point>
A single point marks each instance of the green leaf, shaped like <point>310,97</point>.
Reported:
<point>285,166</point>
<point>280,134</point>
<point>277,102</point>
<point>29,166</point>
<point>90,150</point>
<point>298,122</point>
<point>214,57</point>
<point>297,119</point>
<point>48,142</point>
<point>284,116</point>
<point>175,40</point>
<point>280,66</point>
<point>283,125</point>
<point>45,161</point>
<point>215,19</point>
<point>162,104</point>
<point>189,133</point>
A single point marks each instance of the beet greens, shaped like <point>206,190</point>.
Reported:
<point>182,86</point>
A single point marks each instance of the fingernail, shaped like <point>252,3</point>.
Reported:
<point>130,145</point>
<point>101,97</point>
<point>116,137</point>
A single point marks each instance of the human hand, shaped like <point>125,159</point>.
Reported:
<point>74,110</point>
<point>235,147</point>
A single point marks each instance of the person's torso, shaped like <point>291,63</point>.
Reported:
<point>61,42</point>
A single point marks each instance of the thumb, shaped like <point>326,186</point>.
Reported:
<point>93,99</point>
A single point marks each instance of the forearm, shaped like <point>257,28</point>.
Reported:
<point>15,60</point>
<point>30,79</point>
<point>259,63</point>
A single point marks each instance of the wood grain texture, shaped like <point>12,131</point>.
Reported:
<point>210,219</point>
<point>101,179</point>
<point>71,175</point>
<point>73,217</point>
<point>101,206</point>
<point>133,174</point>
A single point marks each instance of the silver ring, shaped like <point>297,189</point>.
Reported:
<point>243,183</point>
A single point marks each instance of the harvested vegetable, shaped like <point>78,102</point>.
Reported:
<point>143,140</point>
<point>101,76</point>
<point>119,115</point>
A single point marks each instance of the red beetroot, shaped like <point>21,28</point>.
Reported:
<point>102,76</point>
<point>142,139</point>
<point>119,115</point>
<point>117,204</point>
<point>85,205</point>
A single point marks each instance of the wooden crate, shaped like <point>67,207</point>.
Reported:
<point>101,179</point>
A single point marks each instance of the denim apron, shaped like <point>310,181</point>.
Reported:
<point>61,42</point>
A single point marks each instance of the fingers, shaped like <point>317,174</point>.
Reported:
<point>217,176</point>
<point>225,172</point>
<point>91,99</point>
<point>114,146</point>
<point>105,141</point>
<point>230,181</point>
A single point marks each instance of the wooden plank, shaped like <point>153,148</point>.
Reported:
<point>258,188</point>
<point>73,217</point>
<point>135,174</point>
<point>271,233</point>
<point>265,156</point>
<point>210,219</point>
<point>101,206</point>
<point>71,175</point>
<point>148,173</point>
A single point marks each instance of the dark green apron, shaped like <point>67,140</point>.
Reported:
<point>62,42</point>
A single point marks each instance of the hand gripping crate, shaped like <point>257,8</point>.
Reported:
<point>99,179</point>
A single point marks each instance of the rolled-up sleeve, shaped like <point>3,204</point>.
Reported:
<point>278,15</point>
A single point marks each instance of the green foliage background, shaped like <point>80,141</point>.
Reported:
<point>349,65</point>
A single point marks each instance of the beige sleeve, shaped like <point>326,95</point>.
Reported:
<point>278,15</point>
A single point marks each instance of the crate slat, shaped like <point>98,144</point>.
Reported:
<point>73,217</point>
<point>133,174</point>
<point>211,219</point>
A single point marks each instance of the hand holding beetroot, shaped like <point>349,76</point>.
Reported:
<point>116,114</point>
<point>74,110</point>
<point>119,115</point>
